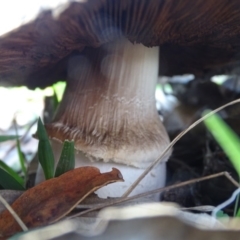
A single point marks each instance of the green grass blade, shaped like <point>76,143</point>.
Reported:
<point>238,212</point>
<point>226,138</point>
<point>59,89</point>
<point>45,153</point>
<point>8,182</point>
<point>21,156</point>
<point>67,159</point>
<point>5,138</point>
<point>10,171</point>
<point>55,99</point>
<point>228,141</point>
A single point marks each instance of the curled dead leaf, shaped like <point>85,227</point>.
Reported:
<point>51,200</point>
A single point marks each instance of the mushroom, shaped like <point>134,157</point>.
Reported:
<point>109,110</point>
<point>107,52</point>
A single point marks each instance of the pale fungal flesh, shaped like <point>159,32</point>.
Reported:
<point>155,179</point>
<point>109,107</point>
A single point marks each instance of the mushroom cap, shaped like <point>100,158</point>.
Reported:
<point>199,37</point>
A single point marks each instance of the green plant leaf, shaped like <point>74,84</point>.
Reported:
<point>45,153</point>
<point>7,138</point>
<point>238,213</point>
<point>9,182</point>
<point>67,159</point>
<point>10,171</point>
<point>229,142</point>
<point>221,214</point>
<point>21,155</point>
<point>226,138</point>
<point>59,89</point>
<point>55,99</point>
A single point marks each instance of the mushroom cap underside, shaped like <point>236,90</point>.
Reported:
<point>199,37</point>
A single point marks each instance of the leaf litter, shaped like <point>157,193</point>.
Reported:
<point>175,140</point>
<point>53,199</point>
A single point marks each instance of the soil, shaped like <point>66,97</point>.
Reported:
<point>197,154</point>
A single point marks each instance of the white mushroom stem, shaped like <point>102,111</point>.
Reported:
<point>154,180</point>
<point>109,110</point>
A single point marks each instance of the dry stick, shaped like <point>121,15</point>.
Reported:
<point>231,179</point>
<point>147,170</point>
<point>14,214</point>
<point>178,185</point>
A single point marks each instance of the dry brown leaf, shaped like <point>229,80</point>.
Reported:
<point>53,199</point>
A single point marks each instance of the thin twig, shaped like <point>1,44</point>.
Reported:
<point>14,214</point>
<point>174,186</point>
<point>147,170</point>
<point>231,179</point>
